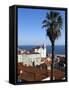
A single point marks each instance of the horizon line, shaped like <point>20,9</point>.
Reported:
<point>40,45</point>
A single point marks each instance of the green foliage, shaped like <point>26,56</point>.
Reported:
<point>53,24</point>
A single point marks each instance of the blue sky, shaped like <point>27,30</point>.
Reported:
<point>30,31</point>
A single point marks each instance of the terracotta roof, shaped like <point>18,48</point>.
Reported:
<point>57,74</point>
<point>48,62</point>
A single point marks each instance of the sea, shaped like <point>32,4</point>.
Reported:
<point>59,49</point>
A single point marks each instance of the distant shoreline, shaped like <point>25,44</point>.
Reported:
<point>58,49</point>
<point>61,55</point>
<point>39,45</point>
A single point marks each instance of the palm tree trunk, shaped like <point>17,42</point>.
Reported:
<point>52,65</point>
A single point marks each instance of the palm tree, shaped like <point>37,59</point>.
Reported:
<point>53,25</point>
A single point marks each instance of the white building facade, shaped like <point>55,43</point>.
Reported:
<point>29,59</point>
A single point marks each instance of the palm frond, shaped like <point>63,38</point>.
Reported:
<point>48,16</point>
<point>53,25</point>
<point>58,34</point>
<point>45,23</point>
<point>60,21</point>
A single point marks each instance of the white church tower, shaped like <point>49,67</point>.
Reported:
<point>42,51</point>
